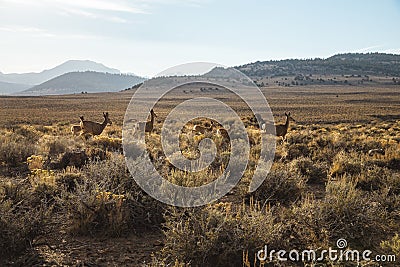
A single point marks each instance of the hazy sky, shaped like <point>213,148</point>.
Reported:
<point>148,36</point>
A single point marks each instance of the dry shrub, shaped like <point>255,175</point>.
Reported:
<point>92,212</point>
<point>15,149</point>
<point>301,137</point>
<point>349,213</point>
<point>20,222</point>
<point>376,178</point>
<point>322,141</point>
<point>95,153</point>
<point>27,132</point>
<point>107,143</point>
<point>104,200</point>
<point>55,145</point>
<point>43,187</point>
<point>303,225</point>
<point>280,186</point>
<point>345,163</point>
<point>35,162</point>
<point>392,246</point>
<point>73,158</point>
<point>69,179</point>
<point>345,212</point>
<point>392,157</point>
<point>314,172</point>
<point>218,235</point>
<point>156,262</point>
<point>297,150</point>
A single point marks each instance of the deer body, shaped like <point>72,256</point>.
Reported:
<point>225,142</point>
<point>376,151</point>
<point>282,129</point>
<point>148,125</point>
<point>94,128</point>
<point>76,129</point>
<point>222,132</point>
<point>203,129</point>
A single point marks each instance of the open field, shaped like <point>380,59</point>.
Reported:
<point>311,104</point>
<point>69,201</point>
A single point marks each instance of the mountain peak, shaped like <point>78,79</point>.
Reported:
<point>73,65</point>
<point>82,65</point>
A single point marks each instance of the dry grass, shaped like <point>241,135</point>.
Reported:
<point>323,184</point>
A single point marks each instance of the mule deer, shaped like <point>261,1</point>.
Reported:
<point>94,128</point>
<point>376,151</point>
<point>203,129</point>
<point>281,129</point>
<point>225,142</point>
<point>76,129</point>
<point>148,125</point>
<point>262,123</point>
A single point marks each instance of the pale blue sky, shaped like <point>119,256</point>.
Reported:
<point>146,37</point>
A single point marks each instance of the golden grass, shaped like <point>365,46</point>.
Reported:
<point>323,184</point>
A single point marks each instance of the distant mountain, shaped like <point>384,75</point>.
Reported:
<point>88,81</point>
<point>9,88</point>
<point>69,66</point>
<point>348,64</point>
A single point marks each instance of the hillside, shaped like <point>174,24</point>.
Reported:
<point>34,78</point>
<point>378,64</point>
<point>9,88</point>
<point>88,81</point>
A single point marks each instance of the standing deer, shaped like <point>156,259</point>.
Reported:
<point>281,129</point>
<point>259,119</point>
<point>76,129</point>
<point>147,125</point>
<point>225,142</point>
<point>94,128</point>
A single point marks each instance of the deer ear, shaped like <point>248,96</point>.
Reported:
<point>285,114</point>
<point>289,114</point>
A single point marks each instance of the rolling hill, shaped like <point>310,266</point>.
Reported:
<point>88,81</point>
<point>379,64</point>
<point>9,88</point>
<point>17,82</point>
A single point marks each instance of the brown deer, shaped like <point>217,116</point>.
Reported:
<point>376,151</point>
<point>94,128</point>
<point>281,129</point>
<point>76,129</point>
<point>225,142</point>
<point>200,129</point>
<point>147,125</point>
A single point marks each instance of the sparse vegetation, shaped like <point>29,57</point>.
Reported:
<point>60,194</point>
